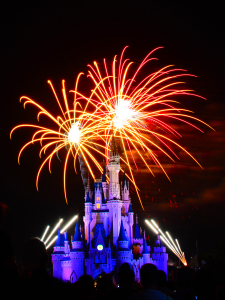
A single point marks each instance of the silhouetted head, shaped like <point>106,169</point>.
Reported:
<point>149,276</point>
<point>204,284</point>
<point>126,276</point>
<point>184,277</point>
<point>102,285</point>
<point>161,278</point>
<point>85,285</point>
<point>34,254</point>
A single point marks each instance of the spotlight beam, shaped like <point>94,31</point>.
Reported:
<point>44,234</point>
<point>53,231</point>
<point>62,230</point>
<point>168,242</point>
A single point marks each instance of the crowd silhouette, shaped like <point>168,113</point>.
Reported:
<point>31,279</point>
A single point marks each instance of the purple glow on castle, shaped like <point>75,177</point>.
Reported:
<point>108,228</point>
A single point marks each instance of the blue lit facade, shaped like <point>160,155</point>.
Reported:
<point>108,233</point>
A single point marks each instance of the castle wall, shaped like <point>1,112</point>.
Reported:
<point>77,263</point>
<point>66,270</point>
<point>57,268</point>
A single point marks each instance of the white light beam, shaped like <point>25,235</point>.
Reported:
<point>53,231</point>
<point>44,234</point>
<point>61,231</point>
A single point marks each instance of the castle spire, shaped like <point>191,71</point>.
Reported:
<point>145,247</point>
<point>88,199</point>
<point>77,237</point>
<point>114,168</point>
<point>104,175</point>
<point>114,149</point>
<point>137,230</point>
<point>130,208</point>
<point>60,240</point>
<point>122,236</point>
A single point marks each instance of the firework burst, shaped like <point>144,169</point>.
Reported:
<point>75,129</point>
<point>136,111</point>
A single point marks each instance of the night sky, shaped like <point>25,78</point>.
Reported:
<point>57,41</point>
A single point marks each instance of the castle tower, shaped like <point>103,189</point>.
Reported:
<point>104,184</point>
<point>66,262</point>
<point>77,255</point>
<point>66,244</point>
<point>114,168</point>
<point>58,255</point>
<point>130,223</point>
<point>160,257</point>
<point>124,253</point>
<point>125,192</point>
<point>114,219</point>
<point>87,217</point>
<point>146,253</point>
<point>114,203</point>
<point>98,196</point>
<point>138,239</point>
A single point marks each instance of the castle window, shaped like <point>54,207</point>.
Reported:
<point>98,198</point>
<point>98,205</point>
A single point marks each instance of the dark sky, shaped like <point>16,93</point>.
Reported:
<point>57,41</point>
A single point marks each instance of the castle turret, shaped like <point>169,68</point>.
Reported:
<point>124,253</point>
<point>138,239</point>
<point>77,255</point>
<point>58,255</point>
<point>130,223</point>
<point>160,257</point>
<point>87,217</point>
<point>114,203</point>
<point>146,253</point>
<point>104,184</point>
<point>66,261</point>
<point>66,244</point>
<point>98,195</point>
<point>114,168</point>
<point>125,192</point>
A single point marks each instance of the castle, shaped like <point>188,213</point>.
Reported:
<point>108,233</point>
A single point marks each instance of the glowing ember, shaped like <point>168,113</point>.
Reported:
<point>123,114</point>
<point>74,133</point>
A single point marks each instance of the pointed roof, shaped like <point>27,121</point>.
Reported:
<point>88,199</point>
<point>114,149</point>
<point>77,237</point>
<point>158,241</point>
<point>137,234</point>
<point>99,234</point>
<point>88,183</point>
<point>130,210</point>
<point>103,197</point>
<point>122,236</point>
<point>125,182</point>
<point>60,239</point>
<point>104,175</point>
<point>65,237</point>
<point>145,247</point>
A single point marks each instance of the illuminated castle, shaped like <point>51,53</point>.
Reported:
<point>108,233</point>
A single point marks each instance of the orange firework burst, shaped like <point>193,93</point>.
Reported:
<point>135,111</point>
<point>74,129</point>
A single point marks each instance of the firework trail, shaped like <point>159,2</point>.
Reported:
<point>137,111</point>
<point>74,129</point>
